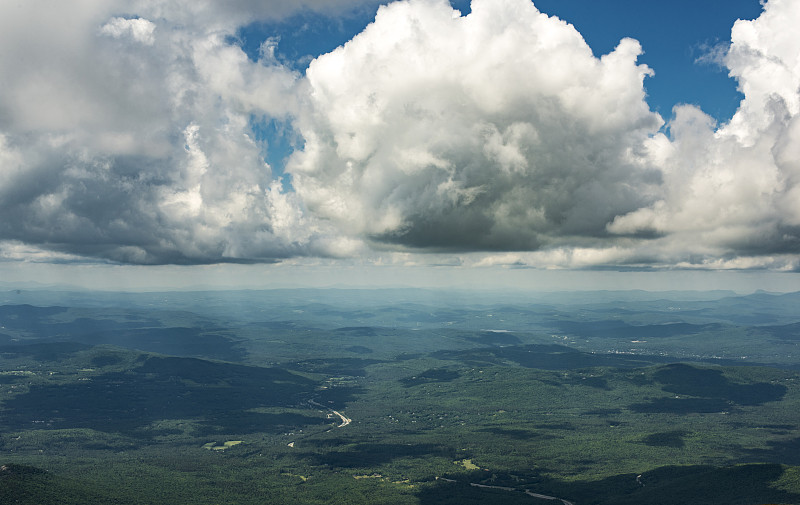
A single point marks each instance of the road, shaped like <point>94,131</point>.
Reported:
<point>345,420</point>
<point>527,492</point>
<point>545,497</point>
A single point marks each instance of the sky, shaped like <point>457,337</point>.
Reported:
<point>257,143</point>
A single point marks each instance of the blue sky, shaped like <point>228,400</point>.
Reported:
<point>674,35</point>
<point>177,139</point>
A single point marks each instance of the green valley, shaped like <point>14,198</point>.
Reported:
<point>347,396</point>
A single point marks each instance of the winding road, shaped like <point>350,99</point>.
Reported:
<point>511,489</point>
<point>527,492</point>
<point>345,420</point>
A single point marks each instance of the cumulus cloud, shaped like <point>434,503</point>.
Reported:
<point>140,30</point>
<point>495,130</point>
<point>128,137</point>
<point>731,193</point>
<point>500,130</point>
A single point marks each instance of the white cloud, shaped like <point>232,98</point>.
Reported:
<point>497,130</point>
<point>730,194</point>
<point>129,138</point>
<point>140,30</point>
<point>125,135</point>
<point>764,59</point>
